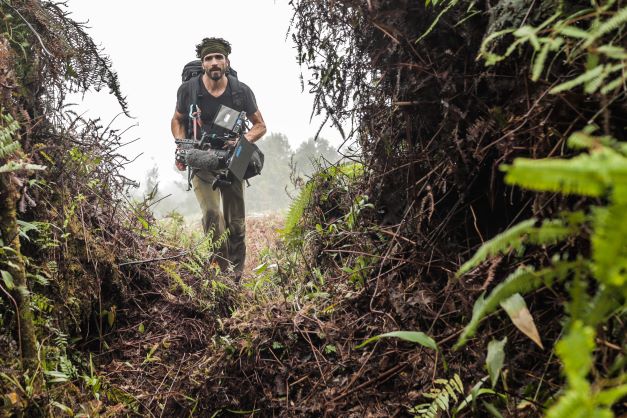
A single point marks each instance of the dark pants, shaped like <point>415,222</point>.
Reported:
<point>223,209</point>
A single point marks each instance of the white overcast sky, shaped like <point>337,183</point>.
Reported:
<point>149,42</point>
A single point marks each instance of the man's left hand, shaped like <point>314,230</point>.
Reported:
<point>230,144</point>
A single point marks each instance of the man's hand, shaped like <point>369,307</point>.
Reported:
<point>230,144</point>
<point>177,162</point>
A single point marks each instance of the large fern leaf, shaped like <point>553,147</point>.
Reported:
<point>587,174</point>
<point>522,281</point>
<point>513,239</point>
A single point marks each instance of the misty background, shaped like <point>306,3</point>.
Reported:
<point>150,42</point>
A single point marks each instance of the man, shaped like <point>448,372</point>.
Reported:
<point>217,88</point>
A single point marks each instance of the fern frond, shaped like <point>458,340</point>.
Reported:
<point>586,174</point>
<point>8,128</point>
<point>612,85</point>
<point>538,62</point>
<point>442,393</point>
<point>568,405</point>
<point>573,32</point>
<point>581,79</point>
<point>580,400</point>
<point>612,51</point>
<point>12,125</point>
<point>297,209</point>
<point>604,303</point>
<point>613,395</point>
<point>506,241</point>
<point>579,298</point>
<point>448,7</point>
<point>19,165</point>
<point>298,206</point>
<point>522,281</point>
<point>492,58</point>
<point>513,239</point>
<point>575,351</point>
<point>350,170</point>
<point>619,18</point>
<point>553,231</point>
<point>609,244</point>
<point>9,149</point>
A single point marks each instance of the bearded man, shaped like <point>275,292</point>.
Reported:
<point>222,209</point>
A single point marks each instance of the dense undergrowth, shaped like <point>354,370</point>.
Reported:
<point>448,272</point>
<point>79,262</point>
<point>441,95</point>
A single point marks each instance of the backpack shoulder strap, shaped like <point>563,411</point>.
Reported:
<point>194,92</point>
<point>237,92</point>
<point>193,89</point>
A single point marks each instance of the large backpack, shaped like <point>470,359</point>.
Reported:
<point>193,69</point>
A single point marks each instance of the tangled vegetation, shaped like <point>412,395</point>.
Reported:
<point>441,97</point>
<point>78,260</point>
<point>473,262</point>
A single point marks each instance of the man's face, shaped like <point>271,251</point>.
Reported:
<point>215,65</point>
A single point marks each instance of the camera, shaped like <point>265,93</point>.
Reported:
<point>209,153</point>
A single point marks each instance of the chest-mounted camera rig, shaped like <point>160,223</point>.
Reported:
<point>208,153</point>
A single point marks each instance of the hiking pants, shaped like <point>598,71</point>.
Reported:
<point>223,209</point>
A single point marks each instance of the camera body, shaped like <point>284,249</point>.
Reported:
<point>210,152</point>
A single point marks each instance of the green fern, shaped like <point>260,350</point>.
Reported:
<point>600,173</point>
<point>522,281</point>
<point>441,396</point>
<point>298,206</point>
<point>10,147</point>
<point>297,209</point>
<point>580,400</point>
<point>8,129</point>
<point>558,34</point>
<point>539,61</point>
<point>170,269</point>
<point>450,4</point>
<point>587,174</point>
<point>585,139</point>
<point>609,245</point>
<point>610,25</point>
<point>513,239</point>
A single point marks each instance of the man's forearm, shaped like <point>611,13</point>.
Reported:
<point>178,129</point>
<point>257,131</point>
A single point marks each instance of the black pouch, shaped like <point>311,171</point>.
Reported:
<point>255,165</point>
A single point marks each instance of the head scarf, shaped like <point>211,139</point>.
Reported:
<point>214,46</point>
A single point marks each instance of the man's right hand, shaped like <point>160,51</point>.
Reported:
<point>181,166</point>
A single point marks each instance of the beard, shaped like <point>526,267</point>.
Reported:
<point>215,73</point>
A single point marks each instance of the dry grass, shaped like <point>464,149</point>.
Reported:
<point>261,235</point>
